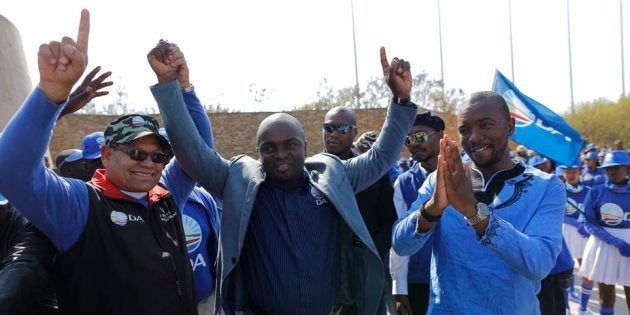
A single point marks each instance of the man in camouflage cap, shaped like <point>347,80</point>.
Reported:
<point>120,237</point>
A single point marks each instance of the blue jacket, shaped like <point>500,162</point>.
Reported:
<point>237,182</point>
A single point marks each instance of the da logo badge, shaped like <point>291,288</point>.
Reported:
<point>118,218</point>
<point>612,214</point>
<point>522,115</point>
<point>318,195</point>
<point>193,233</point>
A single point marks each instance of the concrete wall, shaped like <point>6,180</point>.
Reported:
<point>15,82</point>
<point>234,133</point>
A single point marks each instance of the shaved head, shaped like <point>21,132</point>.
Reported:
<point>487,97</point>
<point>344,111</point>
<point>282,149</point>
<point>278,119</point>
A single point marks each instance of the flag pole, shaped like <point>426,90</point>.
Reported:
<point>511,46</point>
<point>441,56</point>
<point>570,60</point>
<point>623,74</point>
<point>356,67</point>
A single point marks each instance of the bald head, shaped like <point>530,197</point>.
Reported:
<point>488,98</point>
<point>282,149</point>
<point>342,111</point>
<point>279,120</point>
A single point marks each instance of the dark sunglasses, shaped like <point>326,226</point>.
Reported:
<point>141,155</point>
<point>419,137</point>
<point>341,129</point>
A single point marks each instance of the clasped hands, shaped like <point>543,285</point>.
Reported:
<point>453,185</point>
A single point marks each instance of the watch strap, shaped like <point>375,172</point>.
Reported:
<point>428,217</point>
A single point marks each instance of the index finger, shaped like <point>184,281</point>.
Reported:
<point>84,31</point>
<point>384,62</point>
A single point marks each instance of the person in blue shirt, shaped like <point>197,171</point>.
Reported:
<point>592,175</point>
<point>496,224</point>
<point>120,241</point>
<point>573,229</point>
<point>554,288</point>
<point>410,274</point>
<point>607,210</point>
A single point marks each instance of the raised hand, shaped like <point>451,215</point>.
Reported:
<point>397,75</point>
<point>61,64</point>
<point>88,90</point>
<point>456,177</point>
<point>166,60</point>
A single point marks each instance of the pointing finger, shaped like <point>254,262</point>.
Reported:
<point>384,62</point>
<point>84,31</point>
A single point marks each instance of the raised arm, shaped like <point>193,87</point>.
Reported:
<point>55,205</point>
<point>167,60</point>
<point>195,155</point>
<point>370,166</point>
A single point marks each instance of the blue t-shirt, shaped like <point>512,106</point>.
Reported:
<point>201,226</point>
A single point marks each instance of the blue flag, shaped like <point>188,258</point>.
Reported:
<point>538,127</point>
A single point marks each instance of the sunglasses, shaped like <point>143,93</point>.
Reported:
<point>141,155</point>
<point>419,137</point>
<point>341,129</point>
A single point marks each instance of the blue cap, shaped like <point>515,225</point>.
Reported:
<point>614,158</point>
<point>576,164</point>
<point>559,170</point>
<point>537,160</point>
<point>591,146</point>
<point>591,155</point>
<point>75,156</point>
<point>92,144</point>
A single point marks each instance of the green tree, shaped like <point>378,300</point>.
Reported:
<point>429,94</point>
<point>602,121</point>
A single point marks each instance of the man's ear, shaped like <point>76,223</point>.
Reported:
<point>305,143</point>
<point>511,126</point>
<point>106,154</point>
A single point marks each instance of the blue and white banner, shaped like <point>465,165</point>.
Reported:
<point>538,127</point>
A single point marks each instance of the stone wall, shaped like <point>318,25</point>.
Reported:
<point>234,133</point>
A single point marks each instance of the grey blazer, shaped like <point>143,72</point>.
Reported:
<point>237,182</point>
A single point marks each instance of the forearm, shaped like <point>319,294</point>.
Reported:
<point>531,255</point>
<point>406,240</point>
<point>572,221</point>
<point>196,158</point>
<point>368,167</point>
<point>603,235</point>
<point>200,117</point>
<point>399,269</point>
<point>57,206</point>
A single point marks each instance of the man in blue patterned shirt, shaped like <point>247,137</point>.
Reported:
<point>496,224</point>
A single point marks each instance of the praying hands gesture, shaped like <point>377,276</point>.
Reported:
<point>61,64</point>
<point>453,187</point>
<point>397,76</point>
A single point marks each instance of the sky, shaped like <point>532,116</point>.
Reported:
<point>289,47</point>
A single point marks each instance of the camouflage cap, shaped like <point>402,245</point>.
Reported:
<point>366,140</point>
<point>131,127</point>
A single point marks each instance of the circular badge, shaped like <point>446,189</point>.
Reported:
<point>118,218</point>
<point>193,233</point>
<point>137,121</point>
<point>570,206</point>
<point>612,214</point>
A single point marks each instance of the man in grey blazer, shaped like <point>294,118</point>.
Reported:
<point>292,238</point>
